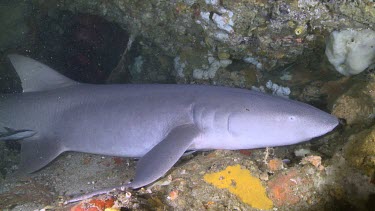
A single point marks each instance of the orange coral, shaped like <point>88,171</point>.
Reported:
<point>281,189</point>
<point>275,165</point>
<point>173,195</point>
<point>94,205</point>
<point>245,152</point>
<point>314,160</point>
<point>118,160</point>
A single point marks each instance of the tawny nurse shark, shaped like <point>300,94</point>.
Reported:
<point>156,123</point>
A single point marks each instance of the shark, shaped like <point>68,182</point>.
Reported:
<point>156,123</point>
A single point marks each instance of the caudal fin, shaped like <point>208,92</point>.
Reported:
<point>37,153</point>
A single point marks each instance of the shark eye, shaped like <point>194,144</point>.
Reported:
<point>292,118</point>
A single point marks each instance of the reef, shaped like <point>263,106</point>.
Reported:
<point>276,47</point>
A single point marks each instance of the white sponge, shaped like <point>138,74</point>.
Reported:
<point>351,51</point>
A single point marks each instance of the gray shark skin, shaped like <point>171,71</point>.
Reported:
<point>156,123</point>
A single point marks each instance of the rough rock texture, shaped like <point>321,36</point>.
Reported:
<point>242,43</point>
<point>267,34</point>
<point>357,105</point>
<point>360,150</point>
<point>12,23</point>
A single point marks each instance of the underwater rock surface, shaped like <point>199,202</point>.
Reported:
<point>232,43</point>
<point>360,150</point>
<point>272,33</point>
<point>357,105</point>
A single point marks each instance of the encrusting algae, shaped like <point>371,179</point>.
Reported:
<point>240,182</point>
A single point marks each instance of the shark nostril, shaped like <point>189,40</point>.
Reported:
<point>342,121</point>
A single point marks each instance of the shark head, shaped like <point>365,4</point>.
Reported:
<point>275,121</point>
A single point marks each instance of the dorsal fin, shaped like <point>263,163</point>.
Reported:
<point>36,76</point>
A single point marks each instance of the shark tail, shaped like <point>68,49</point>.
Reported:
<point>37,153</point>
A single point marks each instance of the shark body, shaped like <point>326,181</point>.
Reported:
<point>156,123</point>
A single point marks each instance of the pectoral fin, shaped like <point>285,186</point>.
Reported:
<point>157,161</point>
<point>37,152</point>
<point>164,155</point>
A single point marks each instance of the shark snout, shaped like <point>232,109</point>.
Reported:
<point>334,121</point>
<point>329,123</point>
<point>318,123</point>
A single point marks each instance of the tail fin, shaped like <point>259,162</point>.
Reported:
<point>37,153</point>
